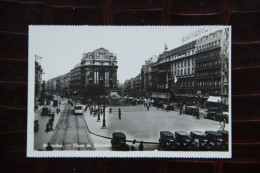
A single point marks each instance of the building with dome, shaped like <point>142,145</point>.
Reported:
<point>98,67</point>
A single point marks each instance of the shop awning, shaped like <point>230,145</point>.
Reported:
<point>215,99</point>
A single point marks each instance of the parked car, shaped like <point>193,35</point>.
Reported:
<point>170,107</point>
<point>160,105</point>
<point>200,141</point>
<point>183,141</point>
<point>167,141</point>
<point>212,113</point>
<point>119,142</point>
<point>216,141</point>
<point>45,111</point>
<point>55,102</point>
<point>224,134</point>
<point>191,109</point>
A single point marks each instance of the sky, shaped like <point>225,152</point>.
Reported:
<point>62,47</point>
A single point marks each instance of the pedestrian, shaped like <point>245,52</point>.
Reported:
<point>198,114</point>
<point>141,146</point>
<point>148,108</point>
<point>57,110</point>
<point>180,110</point>
<point>91,111</point>
<point>110,110</point>
<point>49,147</point>
<point>119,113</point>
<point>132,148</point>
<point>47,127</point>
<point>50,124</point>
<point>52,116</point>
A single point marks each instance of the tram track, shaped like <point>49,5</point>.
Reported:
<point>60,131</point>
<point>77,127</point>
<point>71,132</point>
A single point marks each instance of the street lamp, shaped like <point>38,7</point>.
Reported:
<point>104,117</point>
<point>103,100</point>
<point>98,110</point>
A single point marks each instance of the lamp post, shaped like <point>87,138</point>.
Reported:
<point>98,110</point>
<point>103,100</point>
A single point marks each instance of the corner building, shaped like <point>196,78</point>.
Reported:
<point>193,72</point>
<point>212,64</point>
<point>98,67</point>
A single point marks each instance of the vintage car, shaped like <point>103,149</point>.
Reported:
<point>119,142</point>
<point>183,141</point>
<point>160,104</point>
<point>45,111</point>
<point>224,134</point>
<point>55,102</point>
<point>199,141</point>
<point>212,113</point>
<point>191,109</point>
<point>170,106</point>
<point>216,141</point>
<point>167,141</point>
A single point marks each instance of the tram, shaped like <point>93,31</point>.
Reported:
<point>78,109</point>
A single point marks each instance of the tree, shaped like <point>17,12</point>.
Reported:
<point>93,91</point>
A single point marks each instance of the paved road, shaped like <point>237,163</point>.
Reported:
<point>71,132</point>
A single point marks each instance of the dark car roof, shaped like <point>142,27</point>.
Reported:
<point>214,108</point>
<point>213,133</point>
<point>200,133</point>
<point>119,134</point>
<point>223,132</point>
<point>195,107</point>
<point>166,133</point>
<point>182,133</point>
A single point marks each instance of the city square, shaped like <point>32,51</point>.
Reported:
<point>137,122</point>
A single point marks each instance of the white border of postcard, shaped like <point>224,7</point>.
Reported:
<point>114,154</point>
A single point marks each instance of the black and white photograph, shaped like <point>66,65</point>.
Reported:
<point>129,91</point>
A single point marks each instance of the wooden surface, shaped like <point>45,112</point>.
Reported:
<point>243,15</point>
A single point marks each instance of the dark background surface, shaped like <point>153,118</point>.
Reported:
<point>243,15</point>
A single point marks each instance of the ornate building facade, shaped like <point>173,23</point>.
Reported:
<point>98,67</point>
<point>193,72</point>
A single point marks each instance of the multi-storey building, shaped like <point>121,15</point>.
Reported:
<point>174,71</point>
<point>212,64</point>
<point>64,83</point>
<point>137,85</point>
<point>98,67</point>
<point>38,80</point>
<point>146,74</point>
<point>195,70</point>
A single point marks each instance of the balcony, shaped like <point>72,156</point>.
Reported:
<point>208,48</point>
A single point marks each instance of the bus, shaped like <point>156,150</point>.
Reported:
<point>78,109</point>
